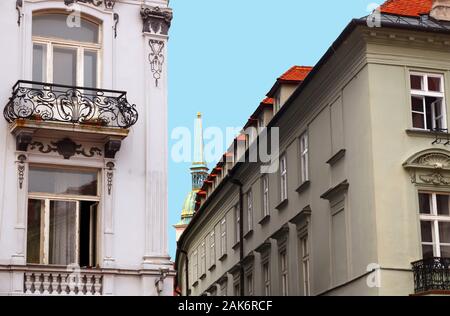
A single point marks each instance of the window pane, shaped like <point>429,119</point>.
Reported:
<point>39,63</point>
<point>416,82</point>
<point>424,203</point>
<point>434,84</point>
<point>62,238</point>
<point>61,181</point>
<point>444,232</point>
<point>417,104</point>
<point>418,120</point>
<point>65,66</point>
<point>34,231</point>
<point>64,27</point>
<point>445,252</point>
<point>425,228</point>
<point>90,69</point>
<point>442,204</point>
<point>427,251</point>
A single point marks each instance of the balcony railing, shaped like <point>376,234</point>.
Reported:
<point>62,282</point>
<point>46,102</point>
<point>431,274</point>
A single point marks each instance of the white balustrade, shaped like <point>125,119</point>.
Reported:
<point>62,283</point>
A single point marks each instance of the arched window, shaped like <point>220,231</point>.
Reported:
<point>66,50</point>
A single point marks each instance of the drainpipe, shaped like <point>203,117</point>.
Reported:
<point>186,271</point>
<point>241,235</point>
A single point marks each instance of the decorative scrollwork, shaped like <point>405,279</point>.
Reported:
<point>435,178</point>
<point>116,21</point>
<point>66,148</point>
<point>431,274</point>
<point>109,176</point>
<point>156,58</point>
<point>49,102</point>
<point>21,169</point>
<point>19,5</point>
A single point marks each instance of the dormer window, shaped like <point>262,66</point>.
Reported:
<point>428,102</point>
<point>65,54</point>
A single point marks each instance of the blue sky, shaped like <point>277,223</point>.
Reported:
<point>224,56</point>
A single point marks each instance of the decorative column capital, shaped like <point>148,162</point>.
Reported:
<point>156,20</point>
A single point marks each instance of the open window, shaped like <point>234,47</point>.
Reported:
<point>428,102</point>
<point>62,216</point>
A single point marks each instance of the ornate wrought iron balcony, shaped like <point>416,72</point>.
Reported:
<point>431,274</point>
<point>46,102</point>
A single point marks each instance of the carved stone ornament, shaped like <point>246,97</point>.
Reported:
<point>109,176</point>
<point>430,167</point>
<point>156,59</point>
<point>109,4</point>
<point>156,20</point>
<point>21,169</point>
<point>66,148</point>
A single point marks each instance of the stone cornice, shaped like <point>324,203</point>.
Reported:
<point>156,20</point>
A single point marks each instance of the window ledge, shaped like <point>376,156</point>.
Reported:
<point>236,245</point>
<point>212,268</point>
<point>248,234</point>
<point>264,220</point>
<point>424,133</point>
<point>203,276</point>
<point>303,187</point>
<point>195,284</point>
<point>336,157</point>
<point>282,204</point>
<point>223,257</point>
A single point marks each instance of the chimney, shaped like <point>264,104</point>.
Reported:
<point>441,10</point>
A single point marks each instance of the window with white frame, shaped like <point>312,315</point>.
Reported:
<point>284,273</point>
<point>212,246</point>
<point>223,237</point>
<point>62,220</point>
<point>66,55</point>
<point>283,175</point>
<point>428,101</point>
<point>435,224</point>
<point>266,278</point>
<point>237,217</point>
<point>304,158</point>
<point>304,260</point>
<point>203,258</point>
<point>250,210</point>
<point>265,196</point>
<point>249,284</point>
<point>195,267</point>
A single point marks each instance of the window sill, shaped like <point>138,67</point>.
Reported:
<point>203,276</point>
<point>282,204</point>
<point>236,245</point>
<point>248,234</point>
<point>338,156</point>
<point>212,268</point>
<point>195,284</point>
<point>264,220</point>
<point>303,187</point>
<point>223,257</point>
<point>424,133</point>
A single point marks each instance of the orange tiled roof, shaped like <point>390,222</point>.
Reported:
<point>268,101</point>
<point>412,8</point>
<point>296,73</point>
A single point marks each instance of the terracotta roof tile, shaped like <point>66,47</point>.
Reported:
<point>296,73</point>
<point>412,8</point>
<point>268,101</point>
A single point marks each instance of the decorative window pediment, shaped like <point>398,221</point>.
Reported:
<point>430,167</point>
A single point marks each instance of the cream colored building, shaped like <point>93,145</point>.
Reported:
<point>363,186</point>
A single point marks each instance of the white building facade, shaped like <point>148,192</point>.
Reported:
<point>83,149</point>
